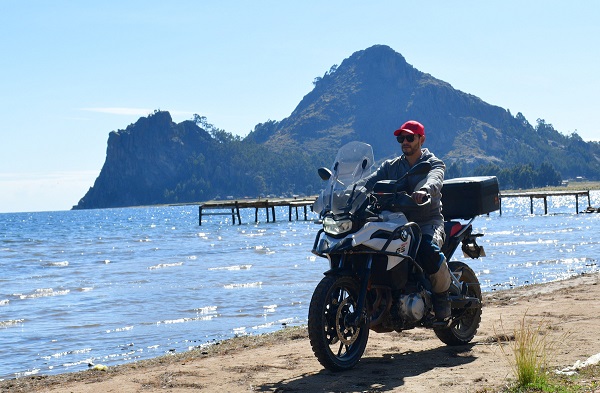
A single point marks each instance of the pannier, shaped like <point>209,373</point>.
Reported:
<point>468,197</point>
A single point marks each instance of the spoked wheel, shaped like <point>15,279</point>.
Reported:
<point>463,329</point>
<point>337,344</point>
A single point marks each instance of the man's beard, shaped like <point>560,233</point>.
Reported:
<point>409,150</point>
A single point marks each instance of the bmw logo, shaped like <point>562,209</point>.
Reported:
<point>403,235</point>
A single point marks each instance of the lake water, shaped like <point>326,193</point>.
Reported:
<point>117,285</point>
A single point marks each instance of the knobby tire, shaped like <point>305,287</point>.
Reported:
<point>464,331</point>
<point>332,305</point>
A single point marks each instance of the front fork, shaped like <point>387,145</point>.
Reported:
<point>359,318</point>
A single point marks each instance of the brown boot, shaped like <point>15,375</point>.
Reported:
<point>441,306</point>
<point>440,282</point>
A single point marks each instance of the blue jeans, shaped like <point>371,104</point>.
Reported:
<point>429,255</point>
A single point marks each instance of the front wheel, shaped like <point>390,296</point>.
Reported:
<point>337,343</point>
<point>463,329</point>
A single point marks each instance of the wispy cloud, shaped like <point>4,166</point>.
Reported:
<point>47,176</point>
<point>120,111</point>
<point>135,111</point>
<point>43,191</point>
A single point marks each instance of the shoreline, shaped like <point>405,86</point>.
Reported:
<point>283,360</point>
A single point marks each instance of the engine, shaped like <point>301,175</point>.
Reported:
<point>407,311</point>
<point>412,307</point>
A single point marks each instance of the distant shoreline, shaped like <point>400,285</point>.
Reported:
<point>573,185</point>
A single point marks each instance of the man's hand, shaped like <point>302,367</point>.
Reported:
<point>419,196</point>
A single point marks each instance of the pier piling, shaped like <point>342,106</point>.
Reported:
<point>216,208</point>
<point>544,195</point>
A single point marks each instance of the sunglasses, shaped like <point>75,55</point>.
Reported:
<point>409,138</point>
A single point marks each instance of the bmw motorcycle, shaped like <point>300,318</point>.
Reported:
<point>374,281</point>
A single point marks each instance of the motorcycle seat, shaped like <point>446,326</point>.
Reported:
<point>452,228</point>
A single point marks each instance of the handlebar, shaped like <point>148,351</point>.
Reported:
<point>400,201</point>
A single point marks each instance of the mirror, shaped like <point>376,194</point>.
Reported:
<point>324,173</point>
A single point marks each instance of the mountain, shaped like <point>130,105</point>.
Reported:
<point>375,90</point>
<point>365,98</point>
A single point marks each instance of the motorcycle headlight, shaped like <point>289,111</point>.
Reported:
<point>334,227</point>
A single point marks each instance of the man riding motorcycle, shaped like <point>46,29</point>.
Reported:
<point>411,135</point>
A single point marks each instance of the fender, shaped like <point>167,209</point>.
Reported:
<point>339,272</point>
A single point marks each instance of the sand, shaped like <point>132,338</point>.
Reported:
<point>411,361</point>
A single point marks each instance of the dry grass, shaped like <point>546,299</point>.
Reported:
<point>528,350</point>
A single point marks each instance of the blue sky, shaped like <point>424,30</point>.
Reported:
<point>72,71</point>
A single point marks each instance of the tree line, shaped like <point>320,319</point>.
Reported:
<point>515,177</point>
<point>196,161</point>
<point>531,169</point>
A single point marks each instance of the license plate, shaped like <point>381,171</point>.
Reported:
<point>481,252</point>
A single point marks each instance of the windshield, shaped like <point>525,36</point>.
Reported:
<point>343,193</point>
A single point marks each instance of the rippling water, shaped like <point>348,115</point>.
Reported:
<point>116,285</point>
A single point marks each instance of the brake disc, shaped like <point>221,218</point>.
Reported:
<point>340,318</point>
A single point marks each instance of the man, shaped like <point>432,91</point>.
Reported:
<point>411,135</point>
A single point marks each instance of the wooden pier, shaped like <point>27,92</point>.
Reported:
<point>232,207</point>
<point>544,195</point>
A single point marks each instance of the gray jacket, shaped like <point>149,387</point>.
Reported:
<point>430,182</point>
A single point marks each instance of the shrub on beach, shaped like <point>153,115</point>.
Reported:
<point>528,352</point>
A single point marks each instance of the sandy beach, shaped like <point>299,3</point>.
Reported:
<point>411,361</point>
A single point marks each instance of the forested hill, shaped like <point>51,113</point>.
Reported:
<point>365,98</point>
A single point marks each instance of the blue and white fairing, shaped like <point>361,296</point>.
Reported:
<point>344,197</point>
<point>328,244</point>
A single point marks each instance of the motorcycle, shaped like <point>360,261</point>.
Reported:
<point>374,281</point>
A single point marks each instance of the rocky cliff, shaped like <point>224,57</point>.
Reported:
<point>145,160</point>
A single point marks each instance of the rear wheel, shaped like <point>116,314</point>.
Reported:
<point>463,328</point>
<point>336,342</point>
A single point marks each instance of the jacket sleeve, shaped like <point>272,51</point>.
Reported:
<point>435,177</point>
